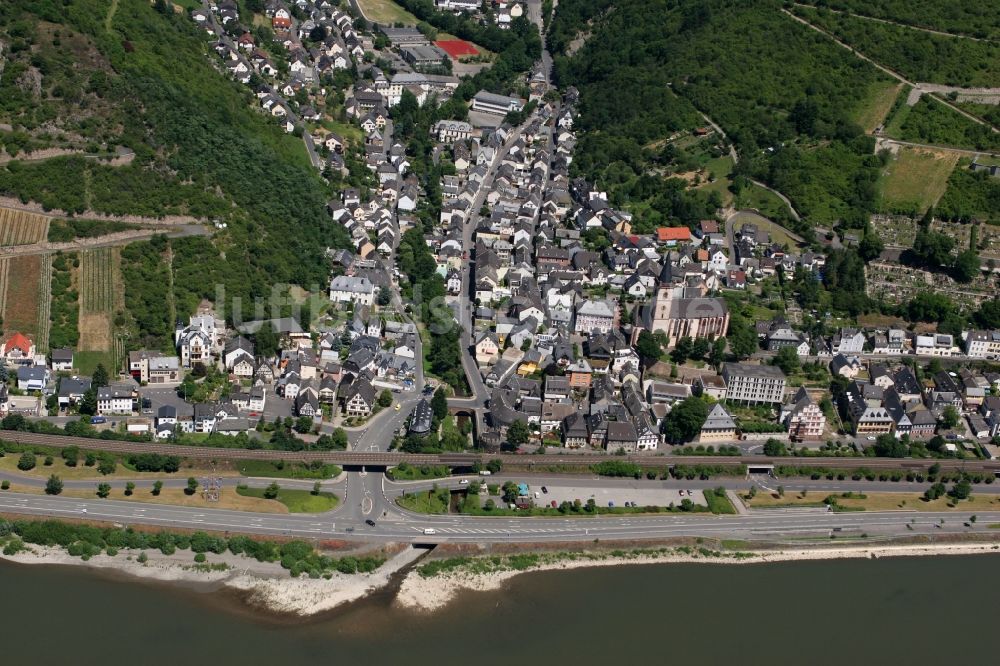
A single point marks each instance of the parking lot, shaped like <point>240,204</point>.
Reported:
<point>642,497</point>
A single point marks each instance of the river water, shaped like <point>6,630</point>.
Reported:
<point>920,610</point>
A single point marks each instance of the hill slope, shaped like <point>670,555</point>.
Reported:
<point>98,74</point>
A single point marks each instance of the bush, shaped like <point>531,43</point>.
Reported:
<point>200,557</point>
<point>5,485</point>
<point>26,462</point>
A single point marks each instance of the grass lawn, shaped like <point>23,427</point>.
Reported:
<point>765,201</point>
<point>718,503</point>
<point>423,502</point>
<point>719,167</point>
<point>878,502</point>
<point>386,11</point>
<point>877,104</point>
<point>287,470</point>
<point>346,131</point>
<point>916,178</point>
<point>174,496</point>
<point>58,467</point>
<point>87,361</point>
<point>297,501</point>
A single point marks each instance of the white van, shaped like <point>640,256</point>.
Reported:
<point>429,530</point>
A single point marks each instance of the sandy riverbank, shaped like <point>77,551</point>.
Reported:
<point>435,592</point>
<point>263,584</point>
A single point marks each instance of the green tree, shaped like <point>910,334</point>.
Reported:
<point>100,376</point>
<point>949,417</point>
<point>303,424</point>
<point>439,404</point>
<point>316,488</point>
<point>887,446</point>
<point>157,487</point>
<point>685,420</point>
<point>54,485</point>
<point>271,492</point>
<point>107,465</point>
<point>967,266</point>
<point>742,337</point>
<point>788,360</point>
<point>192,486</point>
<point>682,350</point>
<point>961,490</point>
<point>871,246</point>
<point>129,488</point>
<point>718,353</point>
<point>700,348</point>
<point>385,398</point>
<point>103,490</point>
<point>648,348</point>
<point>26,461</point>
<point>88,403</point>
<point>775,447</point>
<point>518,433</point>
<point>266,340</point>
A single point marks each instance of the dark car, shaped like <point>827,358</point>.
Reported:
<point>370,523</point>
<point>545,490</point>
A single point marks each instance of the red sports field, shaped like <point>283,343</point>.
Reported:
<point>457,48</point>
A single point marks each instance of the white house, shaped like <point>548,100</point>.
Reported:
<point>347,289</point>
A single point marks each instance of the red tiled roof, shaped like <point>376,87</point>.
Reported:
<point>18,341</point>
<point>664,234</point>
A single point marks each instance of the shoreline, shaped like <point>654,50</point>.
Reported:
<point>434,592</point>
<point>263,586</point>
<point>265,591</point>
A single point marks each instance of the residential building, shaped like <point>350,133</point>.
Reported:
<point>62,360</point>
<point>116,399</point>
<point>806,421</point>
<point>719,426</point>
<point>500,105</point>
<point>153,367</point>
<point>422,418</point>
<point>983,344</point>
<point>754,384</point>
<point>347,289</point>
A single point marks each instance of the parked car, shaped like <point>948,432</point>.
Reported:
<point>463,482</point>
<point>611,504</point>
<point>545,490</point>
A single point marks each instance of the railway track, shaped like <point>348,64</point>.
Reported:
<point>358,458</point>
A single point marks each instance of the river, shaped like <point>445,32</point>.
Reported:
<point>922,610</point>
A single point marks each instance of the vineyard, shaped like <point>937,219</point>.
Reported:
<point>4,275</point>
<point>44,295</point>
<point>99,300</point>
<point>18,227</point>
<point>21,305</point>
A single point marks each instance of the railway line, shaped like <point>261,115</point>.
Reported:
<point>582,461</point>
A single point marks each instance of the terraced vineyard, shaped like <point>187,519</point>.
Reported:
<point>18,227</point>
<point>4,280</point>
<point>21,303</point>
<point>99,289</point>
<point>44,305</point>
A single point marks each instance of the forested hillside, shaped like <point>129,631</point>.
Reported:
<point>109,73</point>
<point>963,17</point>
<point>787,97</point>
<point>918,55</point>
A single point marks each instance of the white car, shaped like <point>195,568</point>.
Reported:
<point>871,438</point>
<point>463,482</point>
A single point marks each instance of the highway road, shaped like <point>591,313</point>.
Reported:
<point>399,526</point>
